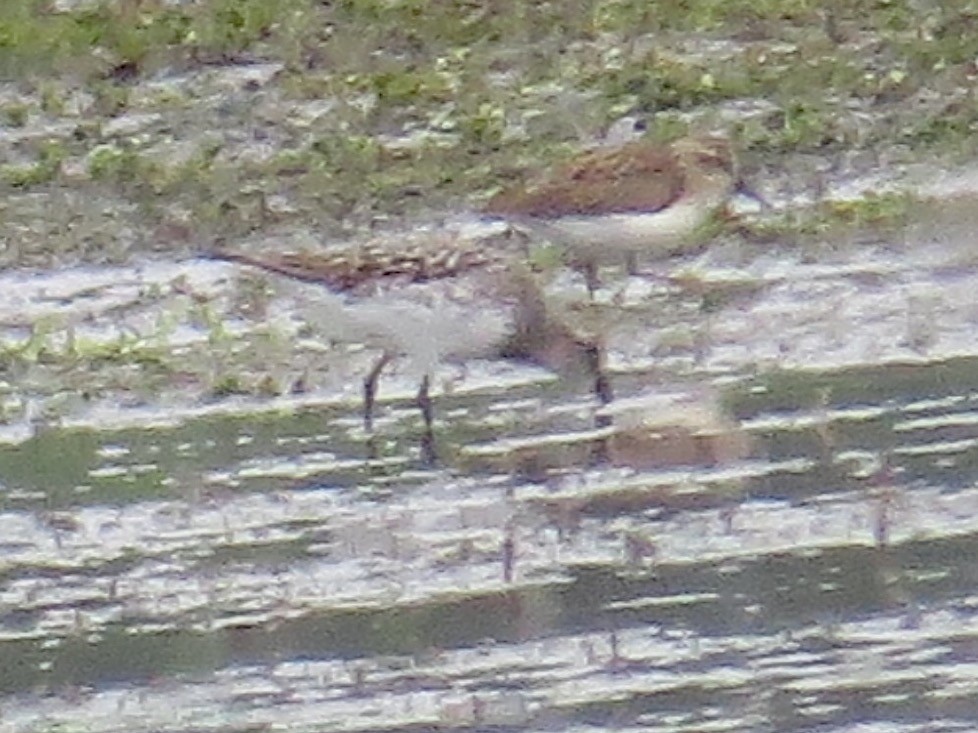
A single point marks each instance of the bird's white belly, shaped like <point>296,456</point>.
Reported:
<point>610,236</point>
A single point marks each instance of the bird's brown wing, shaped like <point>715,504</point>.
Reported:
<point>349,268</point>
<point>325,269</point>
<point>635,177</point>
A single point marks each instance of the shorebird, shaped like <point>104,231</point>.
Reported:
<point>621,202</point>
<point>436,302</point>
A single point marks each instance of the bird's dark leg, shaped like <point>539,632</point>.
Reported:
<point>370,390</point>
<point>596,365</point>
<point>631,264</point>
<point>602,390</point>
<point>591,279</point>
<point>427,412</point>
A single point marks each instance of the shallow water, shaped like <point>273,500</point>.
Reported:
<point>771,528</point>
<point>799,558</point>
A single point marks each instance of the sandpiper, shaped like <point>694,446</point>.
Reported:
<point>440,301</point>
<point>621,202</point>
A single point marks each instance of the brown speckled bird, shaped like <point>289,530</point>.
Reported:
<point>615,204</point>
<point>438,301</point>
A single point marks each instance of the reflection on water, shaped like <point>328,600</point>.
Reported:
<point>776,533</point>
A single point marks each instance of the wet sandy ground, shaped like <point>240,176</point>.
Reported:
<point>797,554</point>
<point>775,532</point>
